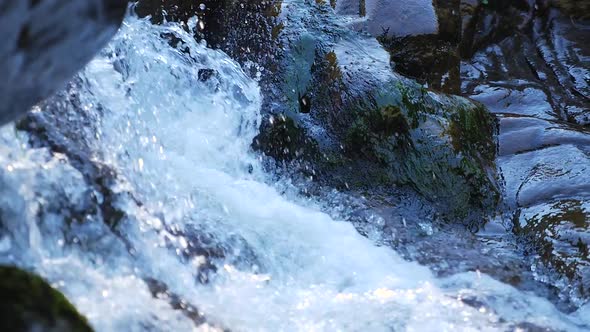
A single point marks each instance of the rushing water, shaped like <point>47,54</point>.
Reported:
<point>176,124</point>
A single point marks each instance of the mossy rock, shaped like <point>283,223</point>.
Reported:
<point>390,131</point>
<point>28,303</point>
<point>376,125</point>
<point>281,138</point>
<point>443,147</point>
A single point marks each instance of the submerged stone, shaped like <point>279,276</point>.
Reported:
<point>559,235</point>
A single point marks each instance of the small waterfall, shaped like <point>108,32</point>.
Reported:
<point>174,120</point>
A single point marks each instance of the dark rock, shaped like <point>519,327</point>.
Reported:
<point>485,24</point>
<point>211,251</point>
<point>325,63</point>
<point>206,74</point>
<point>575,8</point>
<point>28,303</point>
<point>432,59</point>
<point>45,42</point>
<point>304,104</point>
<point>62,126</point>
<point>428,59</point>
<point>243,29</point>
<point>160,290</point>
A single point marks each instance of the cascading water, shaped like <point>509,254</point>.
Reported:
<point>175,121</point>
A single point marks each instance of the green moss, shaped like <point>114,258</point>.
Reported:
<point>327,88</point>
<point>332,71</point>
<point>358,138</point>
<point>281,138</point>
<point>375,127</point>
<point>276,30</point>
<point>391,121</point>
<point>274,8</point>
<point>27,302</point>
<point>415,104</point>
<point>472,132</point>
<point>459,176</point>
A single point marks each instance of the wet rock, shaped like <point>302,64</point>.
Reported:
<point>371,126</point>
<point>207,251</point>
<point>544,174</point>
<point>544,165</point>
<point>544,162</point>
<point>428,59</point>
<point>28,303</point>
<point>431,58</point>
<point>281,138</point>
<point>61,125</point>
<point>243,29</point>
<point>44,44</point>
<point>530,47</point>
<point>485,23</point>
<point>160,290</point>
<point>409,224</point>
<point>558,235</point>
<point>530,76</point>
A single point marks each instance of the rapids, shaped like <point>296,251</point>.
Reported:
<point>175,120</point>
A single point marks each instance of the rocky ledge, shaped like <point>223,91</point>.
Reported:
<point>40,52</point>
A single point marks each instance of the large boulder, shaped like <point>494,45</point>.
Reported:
<point>45,42</point>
